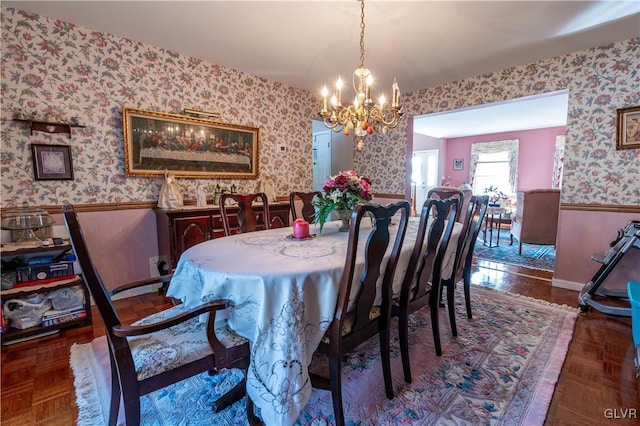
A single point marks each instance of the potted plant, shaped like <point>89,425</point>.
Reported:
<point>496,196</point>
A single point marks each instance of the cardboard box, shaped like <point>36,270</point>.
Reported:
<point>44,272</point>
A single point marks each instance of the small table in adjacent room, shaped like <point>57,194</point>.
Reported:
<point>492,221</point>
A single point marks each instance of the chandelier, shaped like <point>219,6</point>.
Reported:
<point>363,116</point>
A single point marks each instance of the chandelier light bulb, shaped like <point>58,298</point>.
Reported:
<point>325,93</point>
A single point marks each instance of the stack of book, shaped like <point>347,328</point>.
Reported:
<point>53,317</point>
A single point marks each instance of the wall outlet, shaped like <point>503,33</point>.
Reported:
<point>153,266</point>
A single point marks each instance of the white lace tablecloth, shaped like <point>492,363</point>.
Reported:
<point>284,293</point>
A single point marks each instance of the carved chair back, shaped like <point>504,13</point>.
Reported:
<point>308,210</point>
<point>421,285</point>
<point>445,193</point>
<point>248,214</point>
<point>356,318</point>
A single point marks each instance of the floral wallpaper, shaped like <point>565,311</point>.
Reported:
<point>56,71</point>
<point>61,72</point>
<point>599,80</point>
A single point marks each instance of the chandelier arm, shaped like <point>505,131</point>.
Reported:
<point>336,127</point>
<point>379,115</point>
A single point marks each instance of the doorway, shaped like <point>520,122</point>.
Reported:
<point>321,159</point>
<point>424,173</point>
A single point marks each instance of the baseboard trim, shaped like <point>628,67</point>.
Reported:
<point>569,285</point>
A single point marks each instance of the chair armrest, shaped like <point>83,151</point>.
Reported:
<point>137,330</point>
<point>139,283</point>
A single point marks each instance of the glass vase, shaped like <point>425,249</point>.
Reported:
<point>345,217</point>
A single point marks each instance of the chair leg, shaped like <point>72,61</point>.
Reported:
<point>234,394</point>
<point>510,239</point>
<point>131,407</point>
<point>403,325</point>
<point>467,291</point>
<point>335,377</point>
<point>451,289</point>
<point>251,415</point>
<point>520,247</point>
<point>385,354</point>
<point>114,406</point>
<point>435,326</point>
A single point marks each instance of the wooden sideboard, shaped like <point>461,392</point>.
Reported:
<point>179,229</point>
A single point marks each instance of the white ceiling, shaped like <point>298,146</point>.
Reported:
<point>533,112</point>
<point>307,44</point>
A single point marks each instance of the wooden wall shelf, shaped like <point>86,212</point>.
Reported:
<point>48,127</point>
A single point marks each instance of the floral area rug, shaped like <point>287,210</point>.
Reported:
<point>501,369</point>
<point>533,256</point>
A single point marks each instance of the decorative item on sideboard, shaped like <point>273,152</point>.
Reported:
<point>170,196</point>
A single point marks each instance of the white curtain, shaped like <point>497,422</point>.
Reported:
<point>511,146</point>
<point>558,161</point>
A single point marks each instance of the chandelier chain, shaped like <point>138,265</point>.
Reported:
<point>361,33</point>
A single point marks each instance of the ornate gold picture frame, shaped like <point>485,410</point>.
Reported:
<point>187,146</point>
<point>628,129</point>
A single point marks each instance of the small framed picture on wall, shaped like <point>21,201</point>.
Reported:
<point>458,164</point>
<point>52,162</point>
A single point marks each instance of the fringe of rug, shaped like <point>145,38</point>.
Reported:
<point>87,399</point>
<point>530,299</point>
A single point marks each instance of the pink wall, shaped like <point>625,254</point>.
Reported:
<point>120,243</point>
<point>535,160</point>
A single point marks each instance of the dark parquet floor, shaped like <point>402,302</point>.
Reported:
<point>597,385</point>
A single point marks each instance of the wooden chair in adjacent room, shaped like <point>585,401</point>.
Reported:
<point>249,217</point>
<point>445,193</point>
<point>421,284</point>
<point>135,368</point>
<point>307,210</point>
<point>474,216</point>
<point>350,328</point>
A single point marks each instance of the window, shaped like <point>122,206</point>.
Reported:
<point>492,170</point>
<point>494,163</point>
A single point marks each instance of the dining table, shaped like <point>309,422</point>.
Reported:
<point>284,292</point>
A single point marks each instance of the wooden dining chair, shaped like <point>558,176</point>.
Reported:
<point>421,285</point>
<point>445,193</point>
<point>350,328</point>
<point>308,210</point>
<point>248,217</point>
<point>476,211</point>
<point>163,348</point>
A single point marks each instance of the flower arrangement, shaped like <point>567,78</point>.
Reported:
<point>495,195</point>
<point>343,191</point>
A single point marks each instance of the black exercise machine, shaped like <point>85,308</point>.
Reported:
<point>624,252</point>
